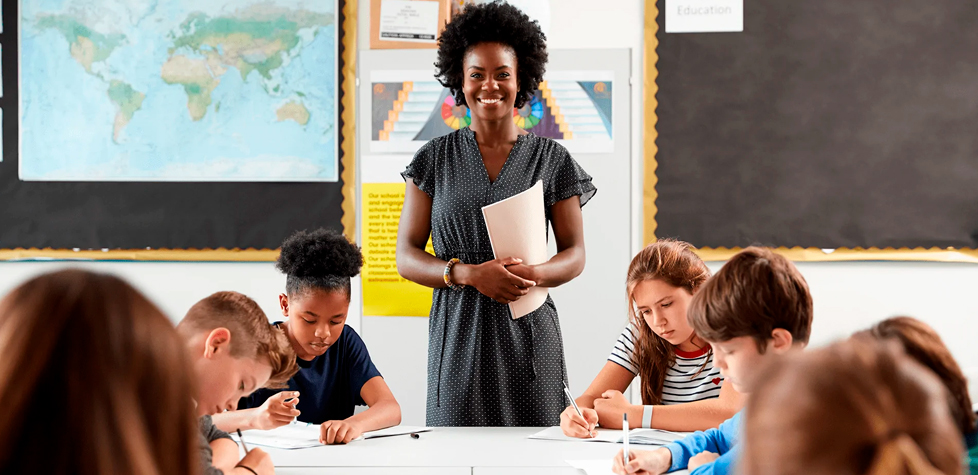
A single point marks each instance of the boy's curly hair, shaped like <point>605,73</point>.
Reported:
<point>495,22</point>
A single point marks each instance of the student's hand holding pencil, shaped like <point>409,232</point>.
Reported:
<point>642,462</point>
<point>581,426</point>
<point>277,411</point>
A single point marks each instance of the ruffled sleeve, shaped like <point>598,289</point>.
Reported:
<point>421,170</point>
<point>568,179</point>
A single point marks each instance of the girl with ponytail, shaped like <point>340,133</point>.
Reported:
<point>681,390</point>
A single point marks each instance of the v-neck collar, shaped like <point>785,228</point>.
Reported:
<point>485,172</point>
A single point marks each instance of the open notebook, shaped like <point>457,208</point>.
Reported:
<point>614,436</point>
<point>298,435</point>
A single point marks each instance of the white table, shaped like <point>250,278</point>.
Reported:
<point>445,451</point>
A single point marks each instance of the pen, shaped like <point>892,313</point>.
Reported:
<point>415,435</point>
<point>573,402</point>
<point>243,444</point>
<point>624,436</point>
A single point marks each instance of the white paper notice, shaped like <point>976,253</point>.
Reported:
<point>704,16</point>
<point>518,228</point>
<point>405,20</point>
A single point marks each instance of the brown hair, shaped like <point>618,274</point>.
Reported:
<point>675,263</point>
<point>754,293</point>
<point>851,408</point>
<point>93,380</point>
<point>252,336</point>
<point>923,344</point>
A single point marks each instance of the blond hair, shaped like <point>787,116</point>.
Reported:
<point>857,407</point>
<point>251,335</point>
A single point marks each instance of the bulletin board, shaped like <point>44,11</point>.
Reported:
<point>180,220</point>
<point>831,130</point>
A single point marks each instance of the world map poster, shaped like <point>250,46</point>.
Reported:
<point>178,90</point>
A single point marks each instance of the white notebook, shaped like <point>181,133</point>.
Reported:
<point>299,435</point>
<point>518,228</point>
<point>635,436</point>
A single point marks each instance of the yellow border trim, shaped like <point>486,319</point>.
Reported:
<point>348,92</point>
<point>649,194</point>
<point>348,45</point>
<point>858,254</point>
<point>649,89</point>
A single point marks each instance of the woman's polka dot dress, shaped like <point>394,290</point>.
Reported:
<point>485,369</point>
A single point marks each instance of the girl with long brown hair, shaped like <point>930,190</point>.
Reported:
<point>853,408</point>
<point>681,390</point>
<point>93,380</point>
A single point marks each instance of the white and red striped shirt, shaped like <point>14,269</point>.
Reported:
<point>685,381</point>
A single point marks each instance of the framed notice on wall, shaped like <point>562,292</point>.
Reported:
<point>407,23</point>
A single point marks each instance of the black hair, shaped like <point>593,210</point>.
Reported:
<point>322,259</point>
<point>494,22</point>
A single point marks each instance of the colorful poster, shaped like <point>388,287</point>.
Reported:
<point>385,292</point>
<point>408,108</point>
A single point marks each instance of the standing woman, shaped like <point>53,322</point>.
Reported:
<point>485,369</point>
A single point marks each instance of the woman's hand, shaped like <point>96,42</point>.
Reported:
<point>493,279</point>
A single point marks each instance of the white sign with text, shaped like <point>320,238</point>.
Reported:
<point>704,16</point>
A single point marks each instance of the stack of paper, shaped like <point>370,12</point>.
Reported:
<point>517,227</point>
<point>653,436</point>
<point>298,435</point>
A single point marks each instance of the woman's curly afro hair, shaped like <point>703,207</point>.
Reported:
<point>494,22</point>
<point>321,259</point>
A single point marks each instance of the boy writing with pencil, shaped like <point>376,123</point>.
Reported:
<point>234,352</point>
<point>754,311</point>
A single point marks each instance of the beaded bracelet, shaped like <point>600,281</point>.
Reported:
<point>447,274</point>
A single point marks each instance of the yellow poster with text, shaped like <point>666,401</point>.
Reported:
<point>385,292</point>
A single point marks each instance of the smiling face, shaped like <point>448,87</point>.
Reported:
<point>489,81</point>
<point>663,307</point>
<point>316,320</point>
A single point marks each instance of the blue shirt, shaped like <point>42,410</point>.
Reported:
<point>721,440</point>
<point>329,385</point>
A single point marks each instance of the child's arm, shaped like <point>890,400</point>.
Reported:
<point>224,454</point>
<point>721,466</point>
<point>690,416</point>
<point>384,411</point>
<point>611,377</point>
<point>699,415</point>
<point>274,412</point>
<point>719,441</point>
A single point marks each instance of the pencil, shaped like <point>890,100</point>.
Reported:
<point>241,438</point>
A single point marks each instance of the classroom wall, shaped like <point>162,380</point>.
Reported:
<point>848,295</point>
